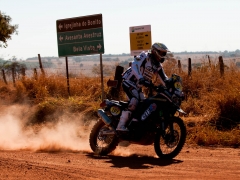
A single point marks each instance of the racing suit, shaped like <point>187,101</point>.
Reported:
<point>141,72</point>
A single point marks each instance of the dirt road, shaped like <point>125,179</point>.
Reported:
<point>133,162</point>
<point>61,151</point>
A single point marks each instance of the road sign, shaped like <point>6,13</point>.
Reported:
<point>140,39</point>
<point>80,36</point>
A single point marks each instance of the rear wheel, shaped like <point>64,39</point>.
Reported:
<point>169,144</point>
<point>100,143</point>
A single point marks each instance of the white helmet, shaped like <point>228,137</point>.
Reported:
<point>159,51</point>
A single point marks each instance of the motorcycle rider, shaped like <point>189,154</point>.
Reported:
<point>140,74</point>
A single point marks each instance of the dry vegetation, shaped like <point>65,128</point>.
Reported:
<point>212,102</point>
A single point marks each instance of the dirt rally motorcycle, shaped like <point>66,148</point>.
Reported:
<point>155,122</point>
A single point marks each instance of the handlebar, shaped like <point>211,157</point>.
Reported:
<point>159,88</point>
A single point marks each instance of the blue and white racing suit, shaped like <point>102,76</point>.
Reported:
<point>144,67</point>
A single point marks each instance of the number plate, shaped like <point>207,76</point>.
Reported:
<point>115,110</point>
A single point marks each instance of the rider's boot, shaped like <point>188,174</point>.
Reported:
<point>123,120</point>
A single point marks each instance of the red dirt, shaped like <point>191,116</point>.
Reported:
<point>61,151</point>
<point>133,162</point>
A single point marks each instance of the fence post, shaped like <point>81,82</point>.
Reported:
<point>189,67</point>
<point>23,72</point>
<point>4,77</point>
<point>179,66</point>
<point>35,73</point>
<point>209,60</point>
<point>130,64</point>
<point>221,64</point>
<point>40,64</point>
<point>13,76</point>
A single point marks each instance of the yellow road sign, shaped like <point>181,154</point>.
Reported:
<point>140,39</point>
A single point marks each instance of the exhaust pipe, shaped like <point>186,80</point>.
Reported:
<point>104,117</point>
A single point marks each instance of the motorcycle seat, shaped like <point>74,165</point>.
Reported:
<point>123,103</point>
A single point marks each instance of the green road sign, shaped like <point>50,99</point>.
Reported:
<point>80,36</point>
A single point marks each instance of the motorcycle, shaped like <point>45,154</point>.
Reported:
<point>156,121</point>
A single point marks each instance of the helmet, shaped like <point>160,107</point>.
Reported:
<point>159,52</point>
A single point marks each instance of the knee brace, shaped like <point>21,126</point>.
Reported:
<point>133,104</point>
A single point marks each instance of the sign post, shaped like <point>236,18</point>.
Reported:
<point>81,36</point>
<point>68,87</point>
<point>140,39</point>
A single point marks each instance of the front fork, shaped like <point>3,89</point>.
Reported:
<point>108,121</point>
<point>164,125</point>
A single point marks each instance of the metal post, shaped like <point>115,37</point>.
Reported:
<point>68,87</point>
<point>101,69</point>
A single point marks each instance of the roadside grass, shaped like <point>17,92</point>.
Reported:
<point>206,134</point>
<point>212,102</point>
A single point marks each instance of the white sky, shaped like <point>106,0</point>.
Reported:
<point>182,25</point>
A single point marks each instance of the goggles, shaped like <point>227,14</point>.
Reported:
<point>161,54</point>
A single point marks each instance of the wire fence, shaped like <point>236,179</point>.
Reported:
<point>77,70</point>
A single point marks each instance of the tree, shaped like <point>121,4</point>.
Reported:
<point>237,52</point>
<point>6,29</point>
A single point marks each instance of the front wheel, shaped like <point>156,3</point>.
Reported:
<point>169,144</point>
<point>101,143</point>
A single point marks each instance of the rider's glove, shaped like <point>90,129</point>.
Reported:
<point>144,82</point>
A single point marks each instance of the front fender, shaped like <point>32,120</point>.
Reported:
<point>104,117</point>
<point>181,111</point>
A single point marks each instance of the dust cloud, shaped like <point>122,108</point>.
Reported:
<point>67,134</point>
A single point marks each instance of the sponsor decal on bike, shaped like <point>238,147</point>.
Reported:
<point>115,111</point>
<point>178,85</point>
<point>150,109</point>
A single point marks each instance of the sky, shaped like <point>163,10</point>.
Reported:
<point>182,25</point>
